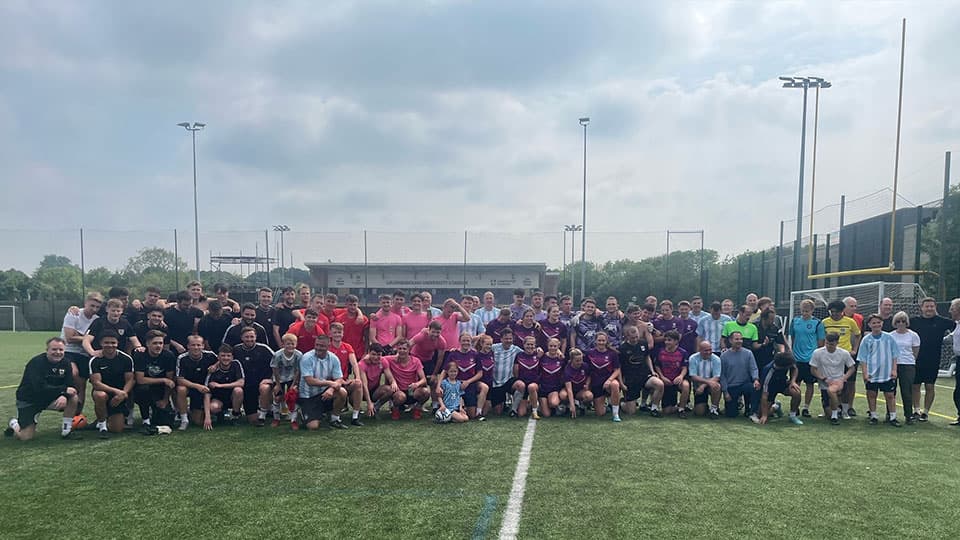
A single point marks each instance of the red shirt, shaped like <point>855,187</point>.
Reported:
<point>306,337</point>
<point>354,333</point>
<point>343,352</point>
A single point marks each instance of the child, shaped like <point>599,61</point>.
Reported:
<point>451,406</point>
<point>526,371</point>
<point>576,384</point>
<point>878,356</point>
<point>551,377</point>
<point>286,373</point>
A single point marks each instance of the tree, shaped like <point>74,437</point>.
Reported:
<point>157,259</point>
<point>58,283</point>
<point>55,261</point>
<point>947,232</point>
<point>14,285</point>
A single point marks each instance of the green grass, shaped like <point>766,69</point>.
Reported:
<point>643,477</point>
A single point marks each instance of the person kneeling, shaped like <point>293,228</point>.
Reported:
<point>111,374</point>
<point>321,386</point>
<point>46,385</point>
<point>225,382</point>
<point>780,377</point>
<point>153,371</point>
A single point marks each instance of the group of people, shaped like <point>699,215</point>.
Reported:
<point>201,360</point>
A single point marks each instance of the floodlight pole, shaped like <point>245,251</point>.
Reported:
<point>583,235</point>
<point>193,129</point>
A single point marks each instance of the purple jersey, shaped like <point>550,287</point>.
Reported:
<point>485,363</point>
<point>662,326</point>
<point>613,326</point>
<point>529,365</point>
<point>495,329</point>
<point>466,362</point>
<point>671,363</point>
<point>688,333</point>
<point>551,374</point>
<point>550,330</point>
<point>577,377</point>
<point>521,332</point>
<point>602,365</point>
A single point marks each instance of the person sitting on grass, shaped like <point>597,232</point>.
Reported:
<point>154,371</point>
<point>738,376</point>
<point>372,370</point>
<point>225,381</point>
<point>576,384</point>
<point>671,366</point>
<point>827,364</point>
<point>526,372</point>
<point>705,370</point>
<point>321,386</point>
<point>46,385</point>
<point>411,383</point>
<point>551,377</point>
<point>286,372</point>
<point>780,377</point>
<point>637,370</point>
<point>451,406</point>
<point>878,358</point>
<point>111,374</point>
<point>193,367</point>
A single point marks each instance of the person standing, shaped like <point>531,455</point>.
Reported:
<point>488,311</point>
<point>710,326</point>
<point>806,335</point>
<point>931,328</point>
<point>908,345</point>
<point>74,329</point>
<point>878,357</point>
<point>955,313</point>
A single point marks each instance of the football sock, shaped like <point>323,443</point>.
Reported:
<point>67,426</point>
<point>845,407</point>
<point>261,414</point>
<point>616,410</point>
<point>893,415</point>
<point>834,414</point>
<point>517,396</point>
<point>356,414</point>
<point>655,407</point>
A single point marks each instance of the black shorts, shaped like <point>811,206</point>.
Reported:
<point>314,408</point>
<point>223,395</point>
<point>671,395</point>
<point>123,408</point>
<point>804,375</point>
<point>927,374</point>
<point>526,388</point>
<point>428,368</point>
<point>702,397</point>
<point>196,399</point>
<point>149,393</point>
<point>470,396</point>
<point>599,391</point>
<point>635,386</point>
<point>775,387</point>
<point>498,394</point>
<point>885,386</point>
<point>82,361</point>
<point>26,412</point>
<point>251,399</point>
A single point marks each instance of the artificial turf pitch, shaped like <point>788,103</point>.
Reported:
<point>644,477</point>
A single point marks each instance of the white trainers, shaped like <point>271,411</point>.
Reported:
<point>129,420</point>
<point>184,422</point>
<point>754,418</point>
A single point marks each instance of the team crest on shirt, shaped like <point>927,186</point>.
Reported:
<point>121,331</point>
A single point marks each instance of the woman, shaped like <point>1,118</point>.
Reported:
<point>552,328</point>
<point>908,344</point>
<point>604,368</point>
<point>525,327</point>
<point>551,376</point>
<point>526,371</point>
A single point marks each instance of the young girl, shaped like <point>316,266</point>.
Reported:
<point>526,371</point>
<point>525,327</point>
<point>576,384</point>
<point>604,376</point>
<point>468,373</point>
<point>485,363</point>
<point>551,375</point>
<point>451,406</point>
<point>286,372</point>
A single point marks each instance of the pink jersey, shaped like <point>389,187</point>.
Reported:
<point>413,323</point>
<point>404,375</point>
<point>424,346</point>
<point>386,325</point>
<point>450,331</point>
<point>373,373</point>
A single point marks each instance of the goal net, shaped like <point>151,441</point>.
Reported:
<point>906,297</point>
<point>9,316</point>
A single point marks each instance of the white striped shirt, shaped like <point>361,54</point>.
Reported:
<point>880,354</point>
<point>710,329</point>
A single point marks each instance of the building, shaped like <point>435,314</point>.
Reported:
<point>441,280</point>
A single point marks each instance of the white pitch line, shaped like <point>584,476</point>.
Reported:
<point>511,516</point>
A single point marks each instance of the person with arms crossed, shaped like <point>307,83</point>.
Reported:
<point>47,384</point>
<point>908,345</point>
<point>284,315</point>
<point>828,364</point>
<point>111,374</point>
<point>193,367</point>
<point>705,369</point>
<point>266,313</point>
<point>386,327</point>
<point>878,357</point>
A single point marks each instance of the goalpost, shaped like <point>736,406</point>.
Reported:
<point>906,297</point>
<point>13,317</point>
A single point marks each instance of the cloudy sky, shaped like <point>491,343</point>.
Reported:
<point>447,116</point>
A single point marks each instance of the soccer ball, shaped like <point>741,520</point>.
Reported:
<point>442,416</point>
<point>79,421</point>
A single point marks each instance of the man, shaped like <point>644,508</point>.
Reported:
<point>417,319</point>
<point>225,381</point>
<point>710,327</point>
<point>75,326</point>
<point>473,326</point>
<point>428,304</point>
<point>46,385</point>
<point>386,327</point>
<point>536,302</point>
<point>886,313</point>
<point>449,319</point>
<point>151,299</point>
<point>305,294</point>
<point>266,314</point>
<point>726,307</point>
<point>666,322</point>
<point>283,316</point>
<point>255,360</point>
<point>229,305</point>
<point>636,368</point>
<point>181,319</point>
<point>687,327</point>
<point>671,366</point>
<point>878,356</point>
<point>488,311</point>
<point>307,330</point>
<point>356,325</point>
<point>849,332</point>
<point>429,345</point>
<point>566,310</point>
<point>743,326</point>
<point>752,301</point>
<point>585,325</point>
<point>128,312</point>
<point>828,364</point>
<point>955,313</point>
<point>397,301</point>
<point>931,328</point>
<point>806,335</point>
<point>496,327</point>
<point>113,321</point>
<point>611,322</point>
<point>779,376</point>
<point>197,298</point>
<point>739,377</point>
<point>504,355</point>
<point>348,366</point>
<point>696,309</point>
<point>111,374</point>
<point>850,310</point>
<point>410,382</point>
<point>329,308</point>
<point>248,319</point>
<point>651,300</point>
<point>321,386</point>
<point>518,307</point>
<point>154,371</point>
<point>705,369</point>
<point>214,325</point>
<point>193,367</point>
<point>152,321</point>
